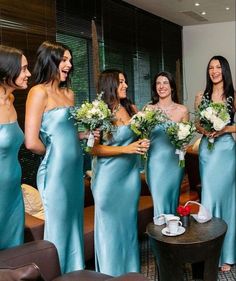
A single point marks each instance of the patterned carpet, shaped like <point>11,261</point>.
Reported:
<point>149,268</point>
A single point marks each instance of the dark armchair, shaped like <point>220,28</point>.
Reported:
<point>44,255</point>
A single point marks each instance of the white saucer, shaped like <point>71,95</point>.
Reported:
<point>165,231</point>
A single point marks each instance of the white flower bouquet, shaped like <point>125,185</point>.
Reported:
<point>93,115</point>
<point>212,116</point>
<point>180,135</point>
<point>144,121</point>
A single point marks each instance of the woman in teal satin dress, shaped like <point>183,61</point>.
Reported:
<point>50,132</point>
<point>14,75</point>
<point>218,166</point>
<point>116,184</point>
<point>164,176</point>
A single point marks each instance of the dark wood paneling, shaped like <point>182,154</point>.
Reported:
<point>25,25</point>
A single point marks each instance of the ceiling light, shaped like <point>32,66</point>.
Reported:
<point>203,13</point>
<point>197,4</point>
<point>227,8</point>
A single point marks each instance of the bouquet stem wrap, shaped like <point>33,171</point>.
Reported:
<point>90,142</point>
<point>210,144</point>
<point>181,154</point>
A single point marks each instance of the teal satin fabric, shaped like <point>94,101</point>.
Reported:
<point>11,200</point>
<point>60,182</point>
<point>164,176</point>
<point>116,190</point>
<point>218,178</point>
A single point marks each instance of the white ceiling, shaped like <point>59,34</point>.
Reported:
<point>184,12</point>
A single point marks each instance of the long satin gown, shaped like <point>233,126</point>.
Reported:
<point>164,176</point>
<point>116,190</point>
<point>11,199</point>
<point>60,183</point>
<point>218,179</point>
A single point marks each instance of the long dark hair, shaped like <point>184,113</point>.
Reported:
<point>10,64</point>
<point>49,56</point>
<point>108,83</point>
<point>170,77</point>
<point>227,80</point>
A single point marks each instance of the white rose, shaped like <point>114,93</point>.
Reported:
<point>93,111</point>
<point>95,103</point>
<point>208,113</point>
<point>184,131</point>
<point>218,124</point>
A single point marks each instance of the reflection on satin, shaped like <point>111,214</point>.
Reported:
<point>164,176</point>
<point>116,190</point>
<point>60,182</point>
<point>11,201</point>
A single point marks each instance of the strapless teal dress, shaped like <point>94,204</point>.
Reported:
<point>218,179</point>
<point>60,183</point>
<point>116,190</point>
<point>11,200</point>
<point>164,176</point>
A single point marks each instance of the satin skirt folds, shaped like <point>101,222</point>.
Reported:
<point>164,176</point>
<point>60,182</point>
<point>12,214</point>
<point>218,177</point>
<point>116,190</point>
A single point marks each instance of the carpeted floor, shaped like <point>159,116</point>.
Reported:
<point>149,268</point>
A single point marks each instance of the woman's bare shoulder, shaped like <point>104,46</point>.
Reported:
<point>198,99</point>
<point>38,89</point>
<point>182,108</point>
<point>69,93</point>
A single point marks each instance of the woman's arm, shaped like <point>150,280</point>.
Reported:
<point>231,128</point>
<point>199,128</point>
<point>138,147</point>
<point>185,117</point>
<point>35,106</point>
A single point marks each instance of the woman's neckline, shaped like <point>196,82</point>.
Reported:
<point>58,108</point>
<point>9,123</point>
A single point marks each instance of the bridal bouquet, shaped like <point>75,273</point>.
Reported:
<point>212,116</point>
<point>180,135</point>
<point>93,115</point>
<point>144,121</point>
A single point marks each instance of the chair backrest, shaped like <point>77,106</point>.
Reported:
<point>42,253</point>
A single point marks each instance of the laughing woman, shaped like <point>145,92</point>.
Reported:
<point>219,182</point>
<point>14,75</point>
<point>50,132</point>
<point>164,176</point>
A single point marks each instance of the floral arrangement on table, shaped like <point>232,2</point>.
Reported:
<point>184,213</point>
<point>91,116</point>
<point>180,135</point>
<point>212,116</point>
<point>144,121</point>
<point>183,210</point>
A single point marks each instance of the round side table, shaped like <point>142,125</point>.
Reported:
<point>200,244</point>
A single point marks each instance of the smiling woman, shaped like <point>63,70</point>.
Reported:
<point>14,75</point>
<point>50,132</point>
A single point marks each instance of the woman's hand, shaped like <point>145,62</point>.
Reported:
<point>85,135</point>
<point>139,147</point>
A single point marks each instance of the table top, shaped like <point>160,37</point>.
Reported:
<point>195,232</point>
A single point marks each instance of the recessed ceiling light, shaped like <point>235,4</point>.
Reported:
<point>203,13</point>
<point>197,4</point>
<point>227,8</point>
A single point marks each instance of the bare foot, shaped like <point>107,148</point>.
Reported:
<point>225,267</point>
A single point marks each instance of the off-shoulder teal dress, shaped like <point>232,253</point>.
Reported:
<point>218,181</point>
<point>164,176</point>
<point>116,190</point>
<point>60,182</point>
<point>11,199</point>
